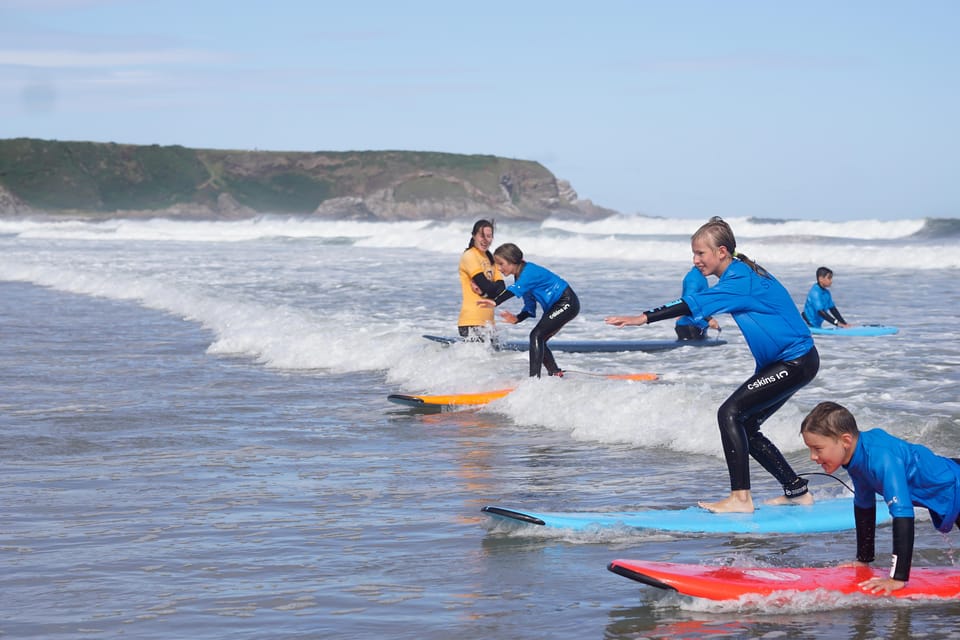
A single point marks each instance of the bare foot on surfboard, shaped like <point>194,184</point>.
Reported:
<point>804,500</point>
<point>736,502</point>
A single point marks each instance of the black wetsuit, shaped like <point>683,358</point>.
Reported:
<point>742,414</point>
<point>786,361</point>
<point>563,311</point>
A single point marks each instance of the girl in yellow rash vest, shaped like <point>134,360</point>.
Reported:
<point>479,278</point>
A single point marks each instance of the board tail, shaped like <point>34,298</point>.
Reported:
<point>405,400</point>
<point>621,570</point>
<point>513,515</point>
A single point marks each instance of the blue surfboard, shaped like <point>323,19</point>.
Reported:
<point>595,346</point>
<point>822,516</point>
<point>861,330</point>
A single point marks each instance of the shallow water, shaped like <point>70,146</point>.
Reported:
<point>197,444</point>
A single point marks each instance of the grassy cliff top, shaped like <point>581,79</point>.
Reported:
<point>102,178</point>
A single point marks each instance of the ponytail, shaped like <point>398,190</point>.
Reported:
<point>750,263</point>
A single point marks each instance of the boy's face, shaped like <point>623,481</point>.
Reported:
<point>825,281</point>
<point>829,452</point>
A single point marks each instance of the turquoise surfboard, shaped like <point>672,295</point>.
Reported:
<point>861,330</point>
<point>822,516</point>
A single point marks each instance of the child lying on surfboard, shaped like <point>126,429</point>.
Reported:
<point>905,474</point>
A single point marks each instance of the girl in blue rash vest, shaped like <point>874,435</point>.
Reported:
<point>819,305</point>
<point>905,474</point>
<point>688,327</point>
<point>780,342</point>
<point>535,284</point>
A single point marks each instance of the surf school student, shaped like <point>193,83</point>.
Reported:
<point>905,474</point>
<point>479,278</point>
<point>786,359</point>
<point>535,284</point>
<point>688,327</point>
<point>819,305</point>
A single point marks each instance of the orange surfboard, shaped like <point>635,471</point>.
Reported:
<point>483,397</point>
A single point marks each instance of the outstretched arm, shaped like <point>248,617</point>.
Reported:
<point>500,298</point>
<point>672,310</point>
<point>624,321</point>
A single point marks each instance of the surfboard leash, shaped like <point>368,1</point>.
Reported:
<point>829,475</point>
<point>585,373</point>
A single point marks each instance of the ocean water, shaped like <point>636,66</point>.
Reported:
<point>197,442</point>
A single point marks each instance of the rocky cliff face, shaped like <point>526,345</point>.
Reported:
<point>10,205</point>
<point>106,179</point>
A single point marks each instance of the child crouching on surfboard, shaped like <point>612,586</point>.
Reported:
<point>783,350</point>
<point>905,474</point>
<point>535,284</point>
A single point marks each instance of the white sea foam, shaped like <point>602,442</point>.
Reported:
<point>745,227</point>
<point>340,297</point>
<point>866,243</point>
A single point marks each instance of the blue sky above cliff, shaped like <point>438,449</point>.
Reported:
<point>821,109</point>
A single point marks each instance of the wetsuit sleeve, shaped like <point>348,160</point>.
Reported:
<point>902,549</point>
<point>826,316</point>
<point>529,307</point>
<point>673,309</point>
<point>503,296</point>
<point>489,289</point>
<point>836,314</point>
<point>866,521</point>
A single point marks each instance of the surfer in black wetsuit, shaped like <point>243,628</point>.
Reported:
<point>783,350</point>
<point>535,284</point>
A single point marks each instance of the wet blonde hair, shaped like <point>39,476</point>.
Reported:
<point>717,233</point>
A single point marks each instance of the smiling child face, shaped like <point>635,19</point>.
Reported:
<point>830,453</point>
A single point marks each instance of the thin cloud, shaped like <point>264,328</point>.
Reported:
<point>737,63</point>
<point>54,5</point>
<point>62,58</point>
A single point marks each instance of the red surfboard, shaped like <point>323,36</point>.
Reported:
<point>730,583</point>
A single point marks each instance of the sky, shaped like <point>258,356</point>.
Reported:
<point>818,110</point>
